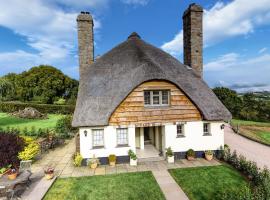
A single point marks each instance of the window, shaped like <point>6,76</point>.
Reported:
<point>156,98</point>
<point>122,136</point>
<point>206,129</point>
<point>180,130</point>
<point>98,137</point>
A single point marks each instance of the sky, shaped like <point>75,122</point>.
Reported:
<point>236,35</point>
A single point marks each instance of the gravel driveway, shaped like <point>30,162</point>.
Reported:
<point>251,150</point>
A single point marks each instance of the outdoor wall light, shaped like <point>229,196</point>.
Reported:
<point>85,133</point>
<point>222,126</point>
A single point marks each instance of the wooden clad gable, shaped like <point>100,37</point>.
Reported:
<point>133,111</point>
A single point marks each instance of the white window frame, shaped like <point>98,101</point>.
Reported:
<point>182,134</point>
<point>118,131</point>
<point>208,132</point>
<point>95,145</point>
<point>160,98</point>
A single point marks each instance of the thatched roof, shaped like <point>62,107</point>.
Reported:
<point>106,83</point>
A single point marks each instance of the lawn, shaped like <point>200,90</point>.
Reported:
<point>258,131</point>
<point>9,121</point>
<point>139,185</point>
<point>204,183</point>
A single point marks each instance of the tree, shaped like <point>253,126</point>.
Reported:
<point>6,88</point>
<point>230,99</point>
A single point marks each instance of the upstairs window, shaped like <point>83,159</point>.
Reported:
<point>206,129</point>
<point>156,97</point>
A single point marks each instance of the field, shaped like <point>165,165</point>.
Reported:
<point>204,183</point>
<point>258,131</point>
<point>139,185</point>
<point>13,122</point>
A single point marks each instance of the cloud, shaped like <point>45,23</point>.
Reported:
<point>136,2</point>
<point>262,50</point>
<point>239,72</point>
<point>224,21</point>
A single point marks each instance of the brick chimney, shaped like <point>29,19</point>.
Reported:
<point>85,40</point>
<point>193,38</point>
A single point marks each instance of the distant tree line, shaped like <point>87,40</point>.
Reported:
<point>247,106</point>
<point>41,84</point>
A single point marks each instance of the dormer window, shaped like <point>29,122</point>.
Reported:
<point>156,97</point>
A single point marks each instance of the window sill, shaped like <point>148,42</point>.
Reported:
<point>180,136</point>
<point>122,145</point>
<point>99,147</point>
<point>207,134</point>
<point>156,106</point>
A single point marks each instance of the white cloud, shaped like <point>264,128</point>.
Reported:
<point>262,50</point>
<point>136,2</point>
<point>234,70</point>
<point>223,21</point>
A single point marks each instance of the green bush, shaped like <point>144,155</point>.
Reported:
<point>60,101</point>
<point>10,107</point>
<point>77,160</point>
<point>112,158</point>
<point>191,153</point>
<point>30,151</point>
<point>169,152</point>
<point>63,127</point>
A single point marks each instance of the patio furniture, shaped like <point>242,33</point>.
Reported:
<point>9,188</point>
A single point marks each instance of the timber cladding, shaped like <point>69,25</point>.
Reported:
<point>132,109</point>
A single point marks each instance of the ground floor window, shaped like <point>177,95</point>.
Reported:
<point>98,137</point>
<point>180,130</point>
<point>206,129</point>
<point>122,136</point>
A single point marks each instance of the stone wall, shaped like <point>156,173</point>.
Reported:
<point>193,38</point>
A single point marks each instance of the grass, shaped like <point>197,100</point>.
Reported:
<point>258,131</point>
<point>139,185</point>
<point>13,122</point>
<point>204,183</point>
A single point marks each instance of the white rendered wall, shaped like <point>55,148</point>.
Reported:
<point>194,138</point>
<point>110,144</point>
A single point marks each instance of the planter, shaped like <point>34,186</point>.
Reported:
<point>190,158</point>
<point>12,176</point>
<point>112,163</point>
<point>93,165</point>
<point>133,162</point>
<point>208,157</point>
<point>170,159</point>
<point>49,176</point>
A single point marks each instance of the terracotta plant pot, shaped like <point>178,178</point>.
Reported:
<point>93,165</point>
<point>190,158</point>
<point>49,176</point>
<point>112,163</point>
<point>12,176</point>
<point>208,157</point>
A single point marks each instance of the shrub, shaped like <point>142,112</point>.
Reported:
<point>209,152</point>
<point>60,101</point>
<point>191,153</point>
<point>11,107</point>
<point>77,160</point>
<point>29,152</point>
<point>132,155</point>
<point>112,158</point>
<point>11,145</point>
<point>169,152</point>
<point>63,127</point>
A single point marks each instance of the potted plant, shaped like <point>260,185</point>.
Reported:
<point>208,155</point>
<point>12,174</point>
<point>190,154</point>
<point>170,155</point>
<point>133,158</point>
<point>93,162</point>
<point>77,160</point>
<point>49,173</point>
<point>112,160</point>
<point>4,170</point>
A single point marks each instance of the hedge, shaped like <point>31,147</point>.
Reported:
<point>10,107</point>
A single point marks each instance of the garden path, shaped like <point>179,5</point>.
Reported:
<point>252,150</point>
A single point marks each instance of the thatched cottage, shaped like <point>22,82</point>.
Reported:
<point>138,97</point>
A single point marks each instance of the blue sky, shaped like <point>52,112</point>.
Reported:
<point>236,35</point>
